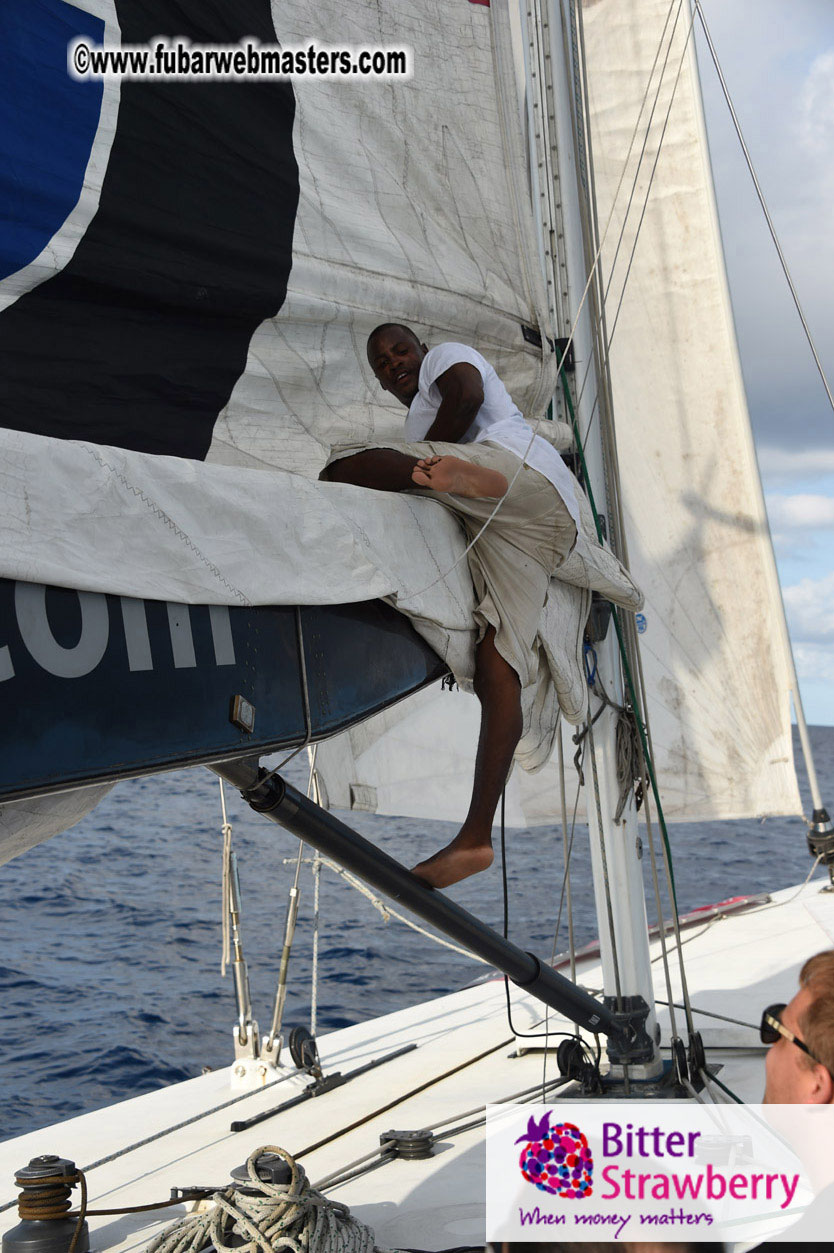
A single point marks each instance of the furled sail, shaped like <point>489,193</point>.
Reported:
<point>713,640</point>
<point>188,276</point>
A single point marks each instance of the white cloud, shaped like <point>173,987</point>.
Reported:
<point>779,465</point>
<point>816,103</point>
<point>814,664</point>
<point>810,610</point>
<point>802,511</point>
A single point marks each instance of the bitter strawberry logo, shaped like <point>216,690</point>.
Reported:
<point>557,1158</point>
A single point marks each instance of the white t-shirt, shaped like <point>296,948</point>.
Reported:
<point>498,419</point>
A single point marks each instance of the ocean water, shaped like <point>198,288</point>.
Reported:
<point>110,934</point>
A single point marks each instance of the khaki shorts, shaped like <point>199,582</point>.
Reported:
<point>512,561</point>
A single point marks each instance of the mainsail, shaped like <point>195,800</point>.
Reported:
<point>713,641</point>
<point>191,270</point>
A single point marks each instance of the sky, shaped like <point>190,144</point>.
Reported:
<point>778,60</point>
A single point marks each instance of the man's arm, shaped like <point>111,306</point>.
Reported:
<point>462,390</point>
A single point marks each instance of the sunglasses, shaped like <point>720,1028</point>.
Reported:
<point>772,1028</point>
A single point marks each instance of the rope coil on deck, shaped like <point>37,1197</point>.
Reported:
<point>288,1216</point>
<point>48,1198</point>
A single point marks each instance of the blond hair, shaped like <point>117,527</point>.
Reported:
<point>817,1022</point>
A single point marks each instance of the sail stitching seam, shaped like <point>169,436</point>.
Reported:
<point>169,522</point>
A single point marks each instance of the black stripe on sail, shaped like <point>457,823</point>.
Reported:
<point>140,339</point>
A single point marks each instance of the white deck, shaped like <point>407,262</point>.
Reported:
<point>735,965</point>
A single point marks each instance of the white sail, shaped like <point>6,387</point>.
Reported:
<point>714,643</point>
<point>423,217</point>
<point>412,214</point>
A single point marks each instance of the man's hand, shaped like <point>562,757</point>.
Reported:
<point>462,390</point>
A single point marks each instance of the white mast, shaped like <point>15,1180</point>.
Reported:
<point>566,233</point>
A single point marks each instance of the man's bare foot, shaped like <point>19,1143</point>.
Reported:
<point>453,863</point>
<point>458,477</point>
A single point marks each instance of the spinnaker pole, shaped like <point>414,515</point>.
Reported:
<point>272,796</point>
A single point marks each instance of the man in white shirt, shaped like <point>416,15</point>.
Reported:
<point>469,446</point>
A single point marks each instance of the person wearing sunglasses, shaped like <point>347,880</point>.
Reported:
<point>800,1061</point>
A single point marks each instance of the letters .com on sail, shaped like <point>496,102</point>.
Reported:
<point>171,59</point>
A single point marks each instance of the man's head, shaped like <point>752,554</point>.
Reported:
<point>395,354</point>
<point>794,1076</point>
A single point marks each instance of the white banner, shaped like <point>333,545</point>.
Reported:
<point>583,1170</point>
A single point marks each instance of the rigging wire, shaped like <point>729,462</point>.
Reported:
<point>625,223</point>
<point>569,341</point>
<point>314,793</point>
<point>623,655</point>
<point>760,194</point>
<point>305,698</point>
<point>547,1034</point>
<point>403,1097</point>
<point>667,974</point>
<point>651,180</point>
<point>645,756</point>
<point>536,1035</point>
<point>709,1077</point>
<point>605,878</point>
<point>644,731</point>
<point>609,339</point>
<point>225,885</point>
<point>567,847</point>
<point>709,1013</point>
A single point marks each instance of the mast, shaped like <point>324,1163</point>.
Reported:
<point>568,237</point>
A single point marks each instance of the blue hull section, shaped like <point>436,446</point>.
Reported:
<point>97,687</point>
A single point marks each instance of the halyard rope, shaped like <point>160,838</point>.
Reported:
<point>280,1216</point>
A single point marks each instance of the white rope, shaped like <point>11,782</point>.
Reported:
<point>225,885</point>
<point>284,1216</point>
<point>386,912</point>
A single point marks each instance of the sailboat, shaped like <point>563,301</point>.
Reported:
<point>182,323</point>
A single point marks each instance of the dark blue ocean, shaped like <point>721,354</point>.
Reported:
<point>110,933</point>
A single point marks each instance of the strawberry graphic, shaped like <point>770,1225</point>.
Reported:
<point>556,1158</point>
